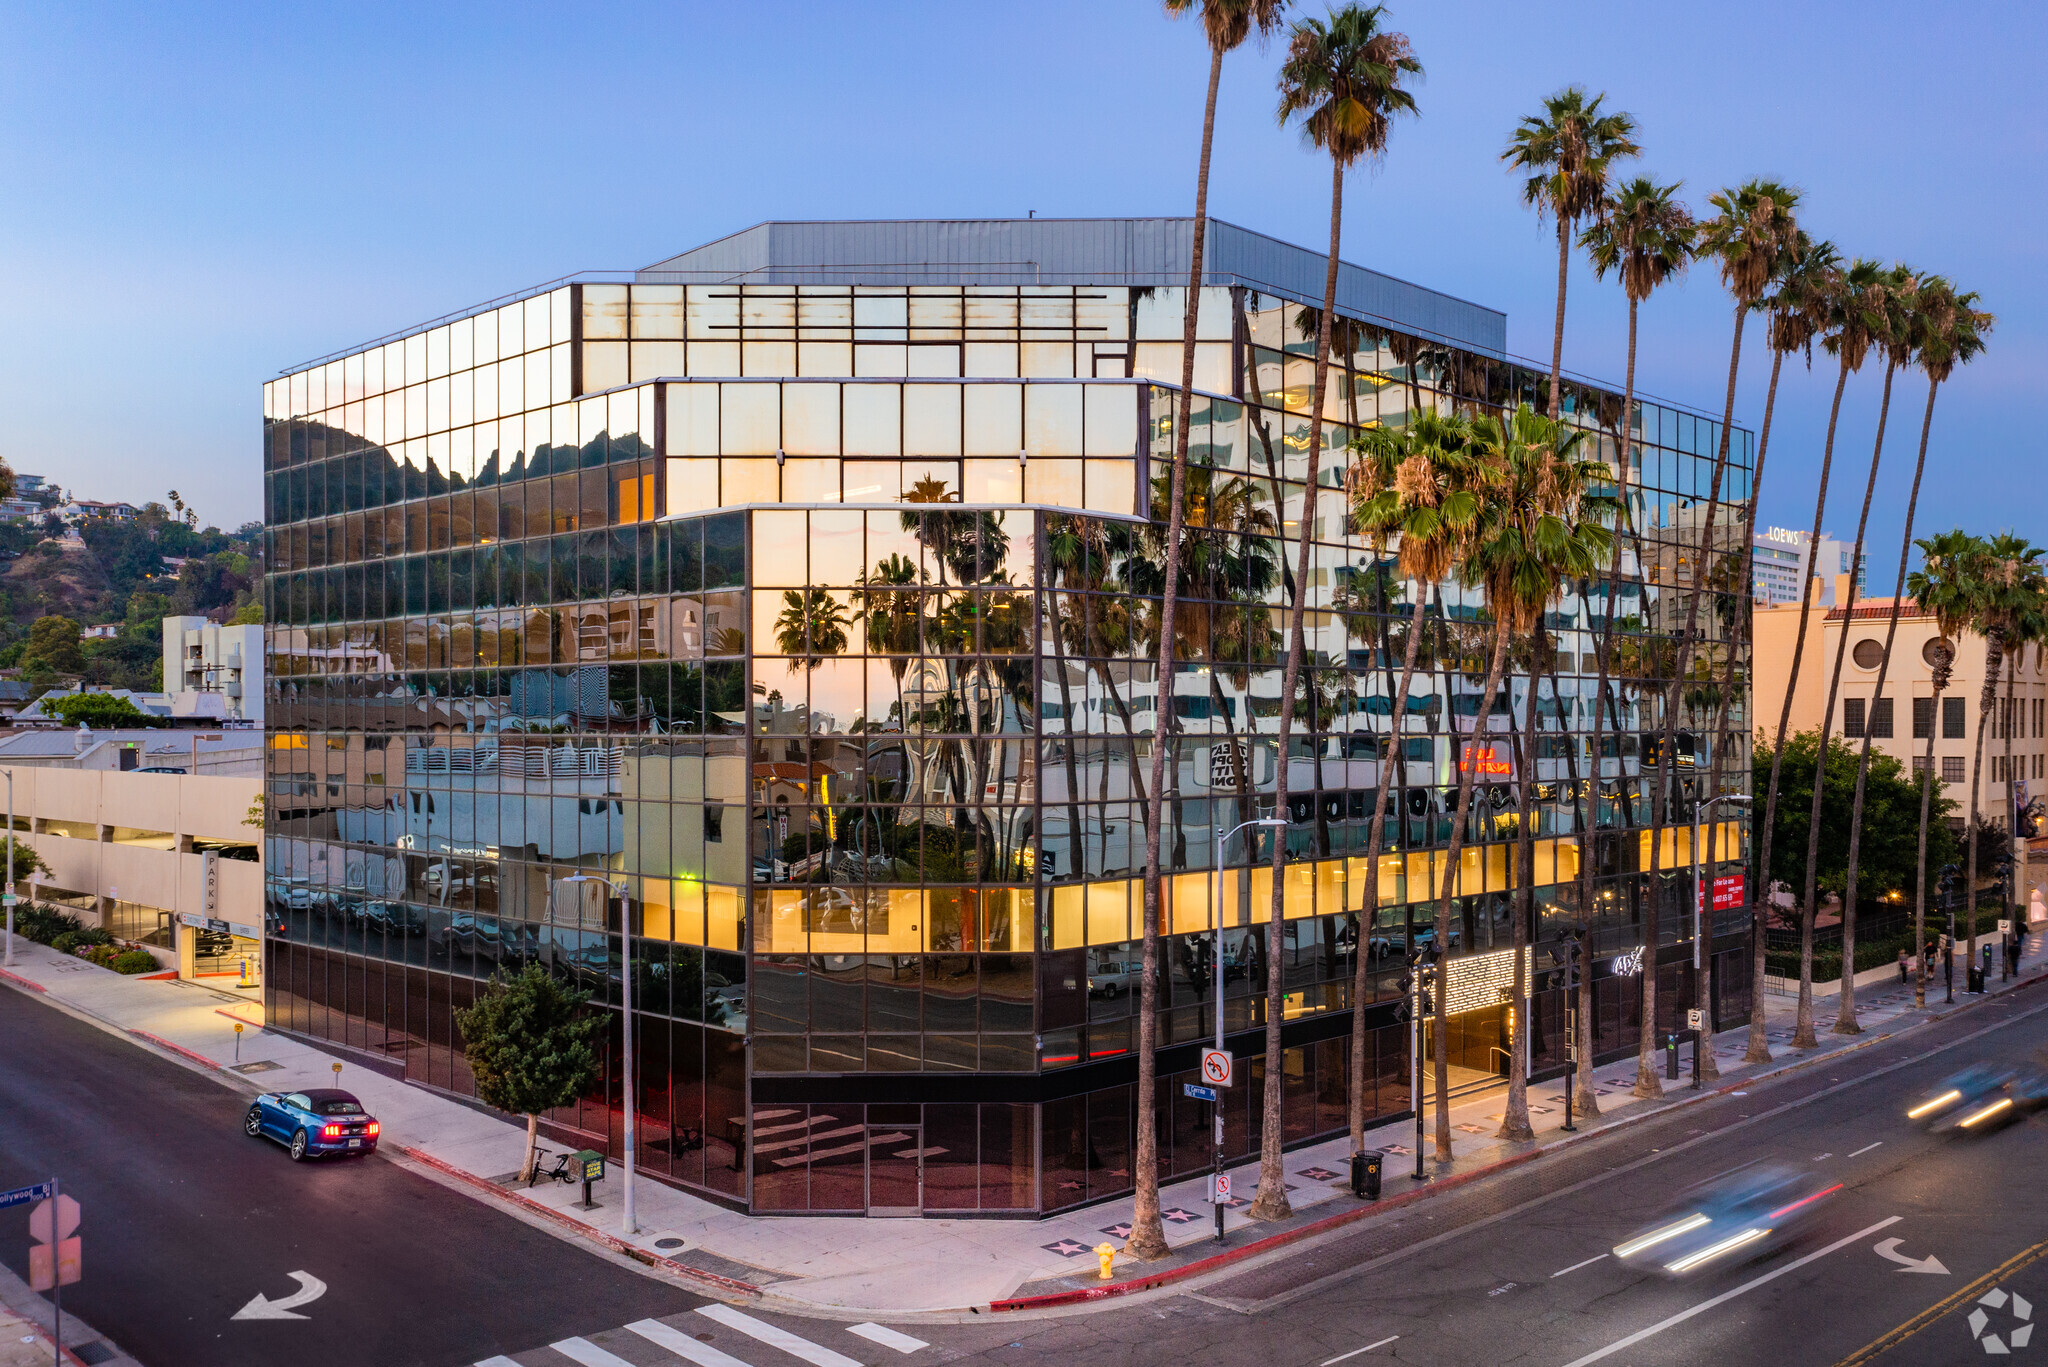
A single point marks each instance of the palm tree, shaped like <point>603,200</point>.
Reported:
<point>1646,236</point>
<point>1540,523</point>
<point>1343,80</point>
<point>1898,334</point>
<point>1751,237</point>
<point>1948,586</point>
<point>2013,583</point>
<point>1569,151</point>
<point>1226,23</point>
<point>1414,484</point>
<point>811,628</point>
<point>1855,322</point>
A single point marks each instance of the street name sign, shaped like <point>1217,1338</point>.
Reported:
<point>21,1196</point>
<point>1199,1093</point>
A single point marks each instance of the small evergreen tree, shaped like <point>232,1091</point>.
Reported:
<point>530,1046</point>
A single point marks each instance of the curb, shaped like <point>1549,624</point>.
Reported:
<point>728,1285</point>
<point>1273,1241</point>
<point>19,981</point>
<point>1201,1266</point>
<point>180,1050</point>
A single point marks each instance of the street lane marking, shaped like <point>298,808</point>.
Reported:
<point>1576,1266</point>
<point>682,1345</point>
<point>888,1338</point>
<point>1356,1351</point>
<point>1682,1316</point>
<point>499,1361</point>
<point>776,1338</point>
<point>588,1353</point>
<point>1934,1312</point>
<point>1867,1148</point>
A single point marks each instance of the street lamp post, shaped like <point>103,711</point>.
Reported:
<point>630,1225</point>
<point>1699,921</point>
<point>1216,1106</point>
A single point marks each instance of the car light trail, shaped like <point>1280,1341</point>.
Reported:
<point>1658,1236</point>
<point>1692,1260</point>
<point>1936,1104</point>
<point>1786,1210</point>
<point>1993,1109</point>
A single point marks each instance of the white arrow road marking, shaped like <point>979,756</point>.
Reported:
<point>1682,1316</point>
<point>776,1338</point>
<point>311,1289</point>
<point>1890,1249</point>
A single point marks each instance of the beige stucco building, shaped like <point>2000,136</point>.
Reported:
<point>1901,719</point>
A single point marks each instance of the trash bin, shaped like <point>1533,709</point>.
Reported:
<point>1366,1166</point>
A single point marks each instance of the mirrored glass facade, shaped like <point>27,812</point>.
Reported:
<point>818,623</point>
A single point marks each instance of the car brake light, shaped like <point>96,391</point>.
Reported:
<point>331,1132</point>
<point>371,1128</point>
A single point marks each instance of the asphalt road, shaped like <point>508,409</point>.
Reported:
<point>1512,1272</point>
<point>185,1219</point>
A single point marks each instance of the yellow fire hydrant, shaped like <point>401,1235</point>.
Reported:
<point>1107,1253</point>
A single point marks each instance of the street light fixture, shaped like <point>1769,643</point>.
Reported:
<point>631,1225</point>
<point>1699,923</point>
<point>1216,1106</point>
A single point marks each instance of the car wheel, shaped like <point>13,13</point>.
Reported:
<point>298,1146</point>
<point>252,1123</point>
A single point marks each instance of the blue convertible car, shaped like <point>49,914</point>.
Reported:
<point>312,1123</point>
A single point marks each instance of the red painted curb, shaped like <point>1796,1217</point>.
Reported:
<point>20,981</point>
<point>617,1245</point>
<point>1214,1261</point>
<point>160,1042</point>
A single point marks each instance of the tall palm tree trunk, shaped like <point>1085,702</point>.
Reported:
<point>1271,1202</point>
<point>1845,1012</point>
<point>1468,769</point>
<point>1514,1122</point>
<point>1586,1099</point>
<point>1764,883</point>
<point>1746,590</point>
<point>1665,793</point>
<point>1564,261</point>
<point>1987,702</point>
<point>1392,763</point>
<point>1148,1236</point>
<point>1802,1033</point>
<point>1941,675</point>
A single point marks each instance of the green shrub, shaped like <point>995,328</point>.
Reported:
<point>66,942</point>
<point>42,923</point>
<point>98,954</point>
<point>133,961</point>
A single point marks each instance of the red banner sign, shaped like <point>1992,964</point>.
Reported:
<point>1488,761</point>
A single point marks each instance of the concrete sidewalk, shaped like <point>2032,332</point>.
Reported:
<point>836,1264</point>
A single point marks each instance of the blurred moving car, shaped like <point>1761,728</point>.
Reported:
<point>325,1120</point>
<point>1747,1212</point>
<point>1965,1100</point>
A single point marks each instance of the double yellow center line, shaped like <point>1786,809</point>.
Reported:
<point>1871,1351</point>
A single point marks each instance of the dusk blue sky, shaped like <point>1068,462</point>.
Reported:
<point>197,197</point>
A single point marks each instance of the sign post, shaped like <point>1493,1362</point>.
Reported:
<point>56,1257</point>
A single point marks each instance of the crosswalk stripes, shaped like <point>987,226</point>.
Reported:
<point>888,1338</point>
<point>682,1345</point>
<point>588,1353</point>
<point>815,1354</point>
<point>692,1349</point>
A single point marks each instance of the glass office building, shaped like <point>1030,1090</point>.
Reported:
<point>790,606</point>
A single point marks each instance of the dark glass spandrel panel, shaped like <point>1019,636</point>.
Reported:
<point>1064,1166</point>
<point>1006,1166</point>
<point>951,1137</point>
